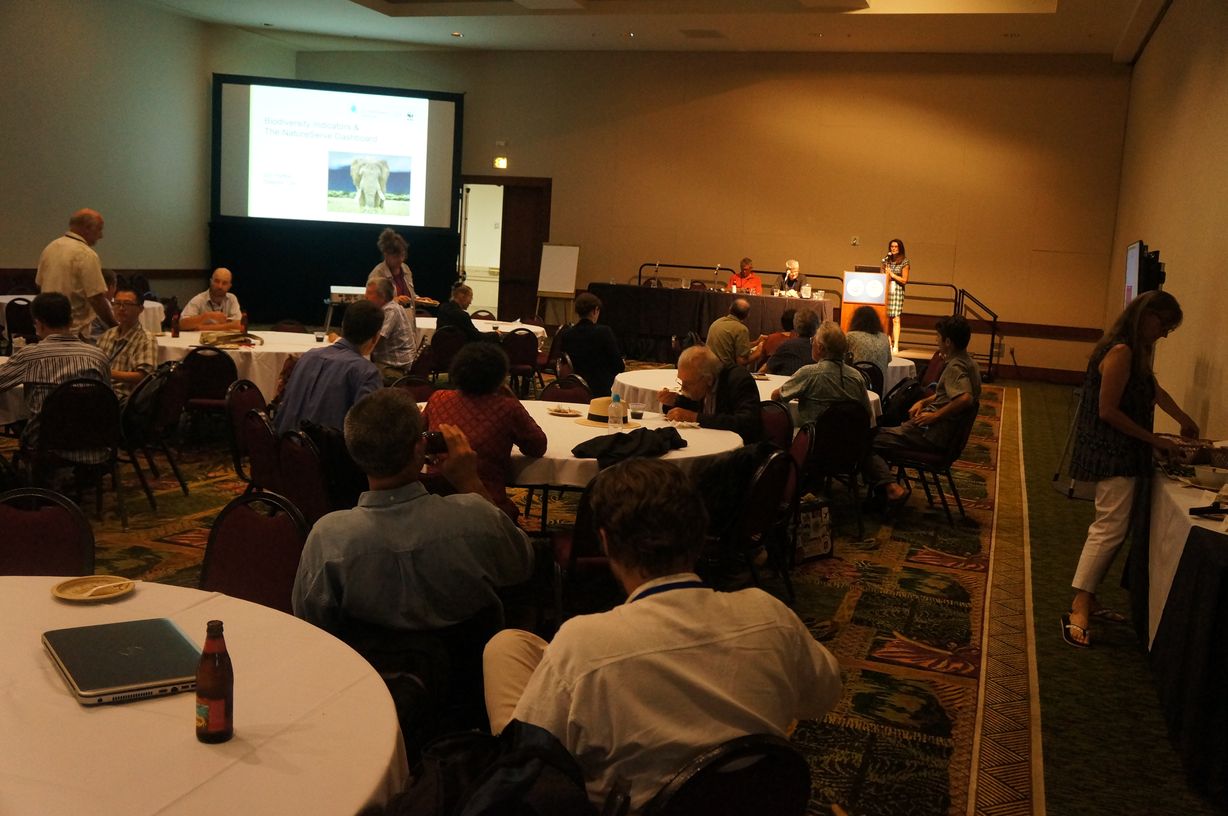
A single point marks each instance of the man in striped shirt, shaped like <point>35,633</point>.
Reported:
<point>59,356</point>
<point>133,352</point>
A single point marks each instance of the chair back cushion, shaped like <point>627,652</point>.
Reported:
<point>777,423</point>
<point>44,534</point>
<point>79,415</point>
<point>301,475</point>
<point>873,375</point>
<point>445,342</point>
<point>210,372</point>
<point>521,348</point>
<point>841,439</point>
<point>758,773</point>
<point>569,388</point>
<point>260,442</point>
<point>254,549</point>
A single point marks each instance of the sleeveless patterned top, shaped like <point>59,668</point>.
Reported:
<point>1100,450</point>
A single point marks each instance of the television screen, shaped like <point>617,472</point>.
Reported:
<point>1134,256</point>
<point>334,153</point>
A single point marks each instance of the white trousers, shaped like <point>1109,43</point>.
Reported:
<point>508,661</point>
<point>1114,506</point>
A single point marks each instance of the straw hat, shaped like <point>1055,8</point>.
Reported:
<point>599,415</point>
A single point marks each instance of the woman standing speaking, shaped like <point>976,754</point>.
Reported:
<point>895,266</point>
<point>1114,441</point>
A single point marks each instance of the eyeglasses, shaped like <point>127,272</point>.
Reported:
<point>125,303</point>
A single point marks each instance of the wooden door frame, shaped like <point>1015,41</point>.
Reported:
<point>537,183</point>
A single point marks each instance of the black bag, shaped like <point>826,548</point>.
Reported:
<point>903,395</point>
<point>524,771</point>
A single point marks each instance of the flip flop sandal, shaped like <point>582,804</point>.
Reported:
<point>1068,635</point>
<point>1110,615</point>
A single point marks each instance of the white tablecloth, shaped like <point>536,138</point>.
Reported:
<point>426,325</point>
<point>12,402</point>
<point>559,468</point>
<point>1171,522</point>
<point>151,317</point>
<point>260,364</point>
<point>899,368</point>
<point>643,385</point>
<point>315,727</point>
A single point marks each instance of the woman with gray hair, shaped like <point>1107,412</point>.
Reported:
<point>827,380</point>
<point>393,268</point>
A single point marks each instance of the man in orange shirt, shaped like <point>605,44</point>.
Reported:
<point>746,281</point>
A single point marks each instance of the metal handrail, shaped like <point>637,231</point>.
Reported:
<point>988,314</point>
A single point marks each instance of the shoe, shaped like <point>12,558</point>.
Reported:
<point>1068,634</point>
<point>1110,615</point>
<point>898,501</point>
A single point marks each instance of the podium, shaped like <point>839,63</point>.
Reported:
<point>864,289</point>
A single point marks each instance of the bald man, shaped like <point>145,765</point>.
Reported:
<point>215,309</point>
<point>69,265</point>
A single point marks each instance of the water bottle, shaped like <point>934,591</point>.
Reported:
<point>618,414</point>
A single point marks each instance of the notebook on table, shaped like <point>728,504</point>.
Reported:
<point>124,661</point>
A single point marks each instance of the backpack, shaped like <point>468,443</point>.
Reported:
<point>524,771</point>
<point>902,396</point>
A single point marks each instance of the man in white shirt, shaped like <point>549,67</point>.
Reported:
<point>397,347</point>
<point>69,265</point>
<point>214,309</point>
<point>637,692</point>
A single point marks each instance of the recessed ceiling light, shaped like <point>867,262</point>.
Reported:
<point>457,34</point>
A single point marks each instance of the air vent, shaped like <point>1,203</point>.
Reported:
<point>702,34</point>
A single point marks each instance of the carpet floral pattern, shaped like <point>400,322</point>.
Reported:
<point>902,608</point>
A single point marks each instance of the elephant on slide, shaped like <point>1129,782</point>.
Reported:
<point>370,182</point>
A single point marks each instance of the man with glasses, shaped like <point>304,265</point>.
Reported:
<point>132,351</point>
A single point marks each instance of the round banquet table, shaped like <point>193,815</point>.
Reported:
<point>899,368</point>
<point>426,325</point>
<point>315,727</point>
<point>12,403</point>
<point>643,385</point>
<point>260,364</point>
<point>559,468</point>
<point>151,316</point>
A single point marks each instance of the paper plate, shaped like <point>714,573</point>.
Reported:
<point>560,411</point>
<point>76,589</point>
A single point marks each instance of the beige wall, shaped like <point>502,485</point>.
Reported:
<point>107,105</point>
<point>1000,174</point>
<point>1174,196</point>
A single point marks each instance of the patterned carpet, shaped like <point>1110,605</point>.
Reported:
<point>939,703</point>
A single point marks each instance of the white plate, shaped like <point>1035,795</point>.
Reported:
<point>559,411</point>
<point>76,589</point>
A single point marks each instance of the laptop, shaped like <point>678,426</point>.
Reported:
<point>120,662</point>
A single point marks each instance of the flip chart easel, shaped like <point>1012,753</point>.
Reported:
<point>556,281</point>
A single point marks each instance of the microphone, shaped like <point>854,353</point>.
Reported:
<point>887,258</point>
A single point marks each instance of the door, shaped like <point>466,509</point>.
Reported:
<point>525,227</point>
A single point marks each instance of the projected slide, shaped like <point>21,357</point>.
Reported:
<point>334,156</point>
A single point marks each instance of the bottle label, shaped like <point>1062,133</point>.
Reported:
<point>210,714</point>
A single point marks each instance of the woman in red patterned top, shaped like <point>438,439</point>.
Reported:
<point>488,412</point>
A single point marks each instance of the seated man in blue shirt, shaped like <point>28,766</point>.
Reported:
<point>327,381</point>
<point>405,560</point>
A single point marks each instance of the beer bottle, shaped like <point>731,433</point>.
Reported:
<point>243,321</point>
<point>175,325</point>
<point>215,692</point>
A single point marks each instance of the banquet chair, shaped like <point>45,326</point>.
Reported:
<point>873,375</point>
<point>564,367</point>
<point>548,361</point>
<point>19,321</point>
<point>756,773</point>
<point>301,475</point>
<point>260,442</point>
<point>254,549</point>
<point>744,493</point>
<point>44,534</point>
<point>78,428</point>
<point>841,440</point>
<point>777,422</point>
<point>483,314</point>
<point>570,388</point>
<point>147,420</point>
<point>420,387</point>
<point>210,373</point>
<point>445,343</point>
<point>289,325</point>
<point>938,463</point>
<point>582,580</point>
<point>933,371</point>
<point>699,285</point>
<point>241,397</point>
<point>521,348</point>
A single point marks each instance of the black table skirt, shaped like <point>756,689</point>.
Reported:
<point>1189,660</point>
<point>647,319</point>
